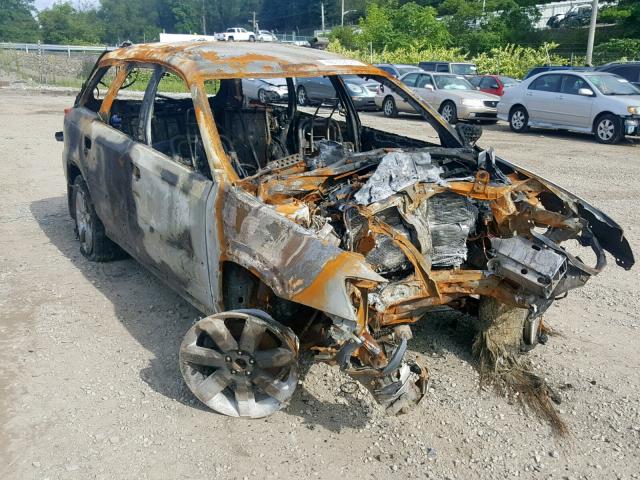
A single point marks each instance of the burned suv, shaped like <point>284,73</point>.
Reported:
<point>292,226</point>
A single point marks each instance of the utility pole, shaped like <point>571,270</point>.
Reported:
<point>322,12</point>
<point>342,15</point>
<point>204,22</point>
<point>592,32</point>
<point>253,22</point>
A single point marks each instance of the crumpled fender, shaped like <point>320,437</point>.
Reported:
<point>609,234</point>
<point>290,259</point>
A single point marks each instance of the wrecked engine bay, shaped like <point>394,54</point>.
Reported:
<point>436,226</point>
<point>436,223</point>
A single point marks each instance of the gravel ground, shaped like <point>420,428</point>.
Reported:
<point>90,386</point>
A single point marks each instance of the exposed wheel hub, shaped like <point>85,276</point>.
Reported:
<point>240,364</point>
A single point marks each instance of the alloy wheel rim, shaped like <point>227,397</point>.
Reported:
<point>83,221</point>
<point>302,96</point>
<point>517,120</point>
<point>239,364</point>
<point>447,113</point>
<point>606,129</point>
<point>262,96</point>
<point>388,108</point>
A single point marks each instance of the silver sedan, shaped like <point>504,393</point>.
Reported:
<point>452,95</point>
<point>589,102</point>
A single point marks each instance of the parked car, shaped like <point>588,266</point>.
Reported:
<point>459,68</point>
<point>452,95</point>
<point>318,90</point>
<point>266,36</point>
<point>549,68</point>
<point>278,223</point>
<point>266,90</point>
<point>236,34</point>
<point>589,102</point>
<point>493,84</point>
<point>575,17</point>
<point>397,70</point>
<point>628,70</point>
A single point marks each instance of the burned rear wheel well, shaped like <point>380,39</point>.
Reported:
<point>242,289</point>
<point>72,172</point>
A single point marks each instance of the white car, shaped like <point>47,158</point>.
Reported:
<point>452,95</point>
<point>236,34</point>
<point>266,90</point>
<point>589,102</point>
<point>266,36</point>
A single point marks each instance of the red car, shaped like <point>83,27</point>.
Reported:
<point>494,84</point>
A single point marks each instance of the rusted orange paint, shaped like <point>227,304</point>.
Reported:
<point>317,294</point>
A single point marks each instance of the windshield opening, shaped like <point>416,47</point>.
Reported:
<point>259,123</point>
<point>452,82</point>
<point>403,70</point>
<point>508,81</point>
<point>463,69</point>
<point>613,85</point>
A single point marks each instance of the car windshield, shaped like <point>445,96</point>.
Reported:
<point>280,82</point>
<point>463,69</point>
<point>508,81</point>
<point>452,82</point>
<point>613,85</point>
<point>403,70</point>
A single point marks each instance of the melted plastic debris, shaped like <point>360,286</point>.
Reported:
<point>398,171</point>
<point>451,218</point>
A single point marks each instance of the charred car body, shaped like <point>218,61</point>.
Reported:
<point>289,225</point>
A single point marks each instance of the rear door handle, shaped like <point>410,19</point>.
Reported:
<point>135,172</point>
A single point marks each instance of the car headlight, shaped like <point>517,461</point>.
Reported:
<point>634,110</point>
<point>472,102</point>
<point>354,88</point>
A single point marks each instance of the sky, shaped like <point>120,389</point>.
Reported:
<point>42,4</point>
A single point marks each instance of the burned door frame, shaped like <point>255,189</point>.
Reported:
<point>167,208</point>
<point>104,154</point>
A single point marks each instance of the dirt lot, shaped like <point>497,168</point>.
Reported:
<point>90,386</point>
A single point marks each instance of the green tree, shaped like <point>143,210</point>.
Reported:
<point>625,13</point>
<point>187,16</point>
<point>64,24</point>
<point>500,23</point>
<point>17,23</point>
<point>346,36</point>
<point>409,25</point>
<point>135,20</point>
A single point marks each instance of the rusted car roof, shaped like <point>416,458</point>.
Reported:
<point>241,59</point>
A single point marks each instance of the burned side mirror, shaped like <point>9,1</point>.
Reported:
<point>469,134</point>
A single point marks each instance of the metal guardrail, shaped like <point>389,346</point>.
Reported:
<point>44,47</point>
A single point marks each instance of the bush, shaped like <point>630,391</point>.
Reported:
<point>515,61</point>
<point>511,60</point>
<point>617,49</point>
